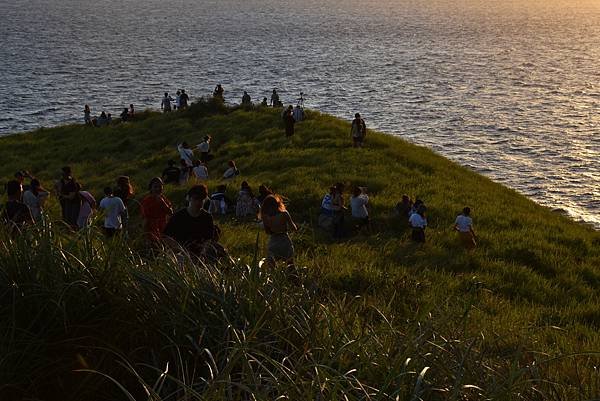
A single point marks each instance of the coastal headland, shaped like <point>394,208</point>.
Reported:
<point>372,316</point>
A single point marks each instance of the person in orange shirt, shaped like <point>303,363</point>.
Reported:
<point>156,210</point>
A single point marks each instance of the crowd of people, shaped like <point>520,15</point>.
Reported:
<point>193,227</point>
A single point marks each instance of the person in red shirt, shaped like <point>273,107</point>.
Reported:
<point>156,210</point>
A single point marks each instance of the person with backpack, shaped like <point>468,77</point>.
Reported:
<point>358,131</point>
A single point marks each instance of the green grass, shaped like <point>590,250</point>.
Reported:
<point>516,319</point>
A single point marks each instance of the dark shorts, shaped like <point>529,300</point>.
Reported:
<point>418,235</point>
<point>111,232</point>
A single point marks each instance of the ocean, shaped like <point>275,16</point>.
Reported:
<point>510,89</point>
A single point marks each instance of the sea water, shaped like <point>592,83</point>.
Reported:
<point>508,88</point>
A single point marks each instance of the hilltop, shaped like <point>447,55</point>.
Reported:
<point>510,320</point>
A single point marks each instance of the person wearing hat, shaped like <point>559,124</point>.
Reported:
<point>34,198</point>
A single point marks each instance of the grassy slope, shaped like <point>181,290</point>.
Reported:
<point>532,284</point>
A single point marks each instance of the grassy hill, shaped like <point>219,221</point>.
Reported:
<point>375,317</point>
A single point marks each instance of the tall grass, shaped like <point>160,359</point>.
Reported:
<point>88,319</point>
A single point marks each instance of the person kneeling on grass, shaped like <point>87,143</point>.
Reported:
<point>358,204</point>
<point>464,226</point>
<point>277,222</point>
<point>114,212</point>
<point>193,228</point>
<point>418,222</point>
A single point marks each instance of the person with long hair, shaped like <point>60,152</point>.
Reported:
<point>124,189</point>
<point>277,222</point>
<point>246,204</point>
<point>156,210</point>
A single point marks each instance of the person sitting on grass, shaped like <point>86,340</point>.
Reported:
<point>200,171</point>
<point>277,223</point>
<point>171,174</point>
<point>192,228</point>
<point>232,171</point>
<point>114,212</point>
<point>327,212</point>
<point>464,225</point>
<point>264,102</point>
<point>218,92</point>
<point>156,210</point>
<point>358,203</point>
<point>418,222</point>
<point>338,206</point>
<point>102,120</point>
<point>246,204</point>
<point>16,214</point>
<point>68,189</point>
<point>219,203</point>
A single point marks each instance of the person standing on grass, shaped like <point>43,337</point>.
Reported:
<point>16,214</point>
<point>183,100</point>
<point>218,92</point>
<point>288,120</point>
<point>171,174</point>
<point>246,100</point>
<point>87,115</point>
<point>277,223</point>
<point>177,100</point>
<point>165,104</point>
<point>464,225</point>
<point>418,222</point>
<point>275,99</point>
<point>193,227</point>
<point>186,153</point>
<point>204,148</point>
<point>88,206</point>
<point>156,210</point>
<point>131,111</point>
<point>67,189</point>
<point>34,198</point>
<point>358,131</point>
<point>115,211</point>
<point>124,115</point>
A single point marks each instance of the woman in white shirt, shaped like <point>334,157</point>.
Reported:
<point>464,225</point>
<point>418,222</point>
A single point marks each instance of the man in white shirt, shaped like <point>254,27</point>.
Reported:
<point>464,225</point>
<point>114,212</point>
<point>204,149</point>
<point>186,153</point>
